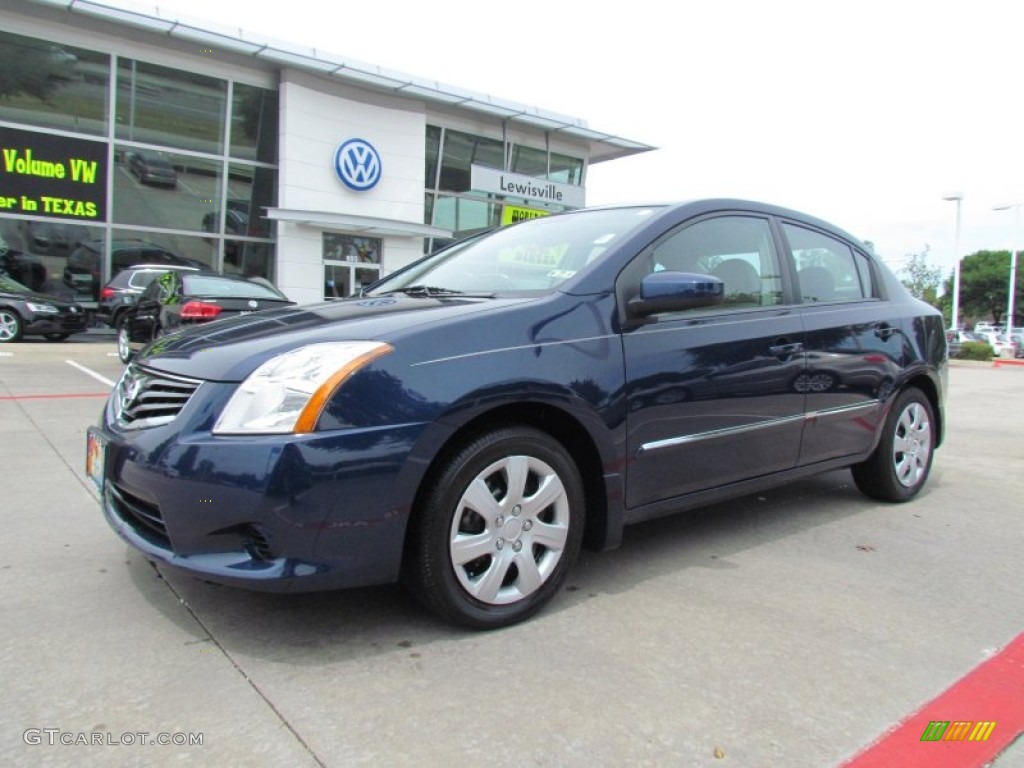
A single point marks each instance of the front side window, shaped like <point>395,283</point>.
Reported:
<point>738,250</point>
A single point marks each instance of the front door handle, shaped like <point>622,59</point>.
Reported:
<point>785,348</point>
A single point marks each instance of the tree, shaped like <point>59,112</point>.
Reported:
<point>921,279</point>
<point>985,285</point>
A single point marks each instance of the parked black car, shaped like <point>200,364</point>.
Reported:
<point>22,267</point>
<point>24,312</point>
<point>150,168</point>
<point>124,290</point>
<point>82,271</point>
<point>473,419</point>
<point>52,238</point>
<point>180,298</point>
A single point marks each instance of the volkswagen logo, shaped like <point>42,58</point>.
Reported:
<point>357,164</point>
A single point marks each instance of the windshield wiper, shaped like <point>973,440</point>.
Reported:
<point>430,291</point>
<point>426,290</point>
<point>420,290</point>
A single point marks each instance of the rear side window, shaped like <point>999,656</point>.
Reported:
<point>139,279</point>
<point>827,268</point>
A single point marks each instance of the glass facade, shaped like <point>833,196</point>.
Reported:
<point>451,203</point>
<point>109,160</point>
<point>185,167</point>
<point>351,263</point>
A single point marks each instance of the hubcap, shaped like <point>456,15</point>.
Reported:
<point>122,343</point>
<point>913,445</point>
<point>8,326</point>
<point>509,530</point>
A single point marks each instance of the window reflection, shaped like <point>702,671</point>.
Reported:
<point>254,123</point>
<point>529,161</point>
<point>160,105</point>
<point>164,190</point>
<point>463,216</point>
<point>250,191</point>
<point>568,170</point>
<point>249,259</point>
<point>178,248</point>
<point>35,252</point>
<point>462,150</point>
<point>56,86</point>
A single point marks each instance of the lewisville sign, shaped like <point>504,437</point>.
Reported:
<point>527,187</point>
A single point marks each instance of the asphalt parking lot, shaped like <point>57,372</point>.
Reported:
<point>789,628</point>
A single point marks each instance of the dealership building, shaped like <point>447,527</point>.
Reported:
<point>131,137</point>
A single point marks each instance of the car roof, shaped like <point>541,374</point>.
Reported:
<point>163,268</point>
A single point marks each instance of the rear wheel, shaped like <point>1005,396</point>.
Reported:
<point>899,467</point>
<point>498,529</point>
<point>124,349</point>
<point>10,326</point>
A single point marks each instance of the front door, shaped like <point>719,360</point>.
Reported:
<point>711,393</point>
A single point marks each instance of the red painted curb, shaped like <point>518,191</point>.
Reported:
<point>993,692</point>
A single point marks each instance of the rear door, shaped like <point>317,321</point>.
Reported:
<point>710,392</point>
<point>853,342</point>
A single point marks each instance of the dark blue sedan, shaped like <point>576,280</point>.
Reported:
<point>471,421</point>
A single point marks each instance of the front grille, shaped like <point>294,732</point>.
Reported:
<point>145,518</point>
<point>146,399</point>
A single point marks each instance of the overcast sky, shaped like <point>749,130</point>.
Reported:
<point>863,113</point>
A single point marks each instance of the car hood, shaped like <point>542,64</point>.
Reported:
<point>243,343</point>
<point>37,298</point>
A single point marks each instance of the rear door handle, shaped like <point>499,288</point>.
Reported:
<point>884,331</point>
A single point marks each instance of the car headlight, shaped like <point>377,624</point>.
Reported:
<point>42,309</point>
<point>288,392</point>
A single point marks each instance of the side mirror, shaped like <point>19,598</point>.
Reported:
<point>676,291</point>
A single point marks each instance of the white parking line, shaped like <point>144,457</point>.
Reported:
<point>88,372</point>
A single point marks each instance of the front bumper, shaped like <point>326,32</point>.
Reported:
<point>41,324</point>
<point>272,513</point>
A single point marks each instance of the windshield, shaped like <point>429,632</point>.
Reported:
<point>533,257</point>
<point>203,285</point>
<point>10,285</point>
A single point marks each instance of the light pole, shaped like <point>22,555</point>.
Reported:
<point>1013,263</point>
<point>955,314</point>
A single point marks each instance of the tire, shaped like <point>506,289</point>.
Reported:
<point>56,336</point>
<point>899,466</point>
<point>10,326</point>
<point>498,528</point>
<point>124,350</point>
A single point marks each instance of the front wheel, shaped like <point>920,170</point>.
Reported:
<point>899,466</point>
<point>497,530</point>
<point>10,326</point>
<point>124,349</point>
